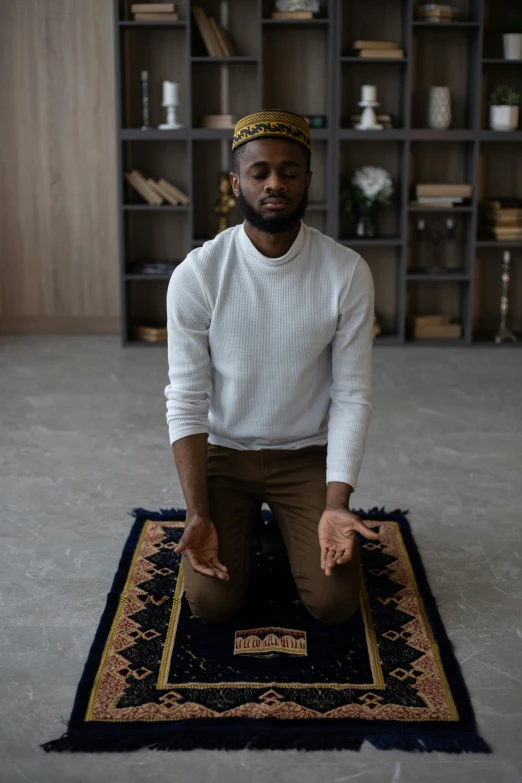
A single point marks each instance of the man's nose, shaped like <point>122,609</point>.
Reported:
<point>275,183</point>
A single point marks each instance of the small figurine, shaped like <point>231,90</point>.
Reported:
<point>226,201</point>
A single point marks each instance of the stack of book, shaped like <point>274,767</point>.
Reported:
<point>442,194</point>
<point>292,14</point>
<point>502,218</point>
<point>378,49</point>
<point>218,121</point>
<point>214,35</point>
<point>151,333</point>
<point>155,193</point>
<point>434,327</point>
<point>437,12</point>
<point>154,12</point>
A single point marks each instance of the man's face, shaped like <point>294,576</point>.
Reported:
<point>272,186</point>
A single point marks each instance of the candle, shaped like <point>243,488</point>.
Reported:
<point>170,93</point>
<point>369,92</point>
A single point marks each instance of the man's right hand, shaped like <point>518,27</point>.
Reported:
<point>200,543</point>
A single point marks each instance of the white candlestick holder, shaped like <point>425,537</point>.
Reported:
<point>171,123</point>
<point>368,118</point>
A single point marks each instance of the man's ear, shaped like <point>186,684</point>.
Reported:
<point>234,180</point>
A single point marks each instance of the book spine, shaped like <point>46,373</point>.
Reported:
<point>153,8</point>
<point>138,177</point>
<point>216,32</point>
<point>139,188</point>
<point>200,17</point>
<point>167,186</point>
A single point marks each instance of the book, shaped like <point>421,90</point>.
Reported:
<point>443,189</point>
<point>139,183</point>
<point>167,194</point>
<point>205,30</point>
<point>176,193</point>
<point>429,320</point>
<point>216,32</point>
<point>375,45</point>
<point>397,54</point>
<point>225,36</point>
<point>153,8</point>
<point>292,15</point>
<point>156,17</point>
<point>438,331</point>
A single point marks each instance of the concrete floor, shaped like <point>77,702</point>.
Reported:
<point>83,440</point>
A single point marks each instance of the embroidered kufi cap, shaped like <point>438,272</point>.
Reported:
<point>283,124</point>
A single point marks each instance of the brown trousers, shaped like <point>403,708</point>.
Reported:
<point>293,484</point>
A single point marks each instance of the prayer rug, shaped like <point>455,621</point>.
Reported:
<point>273,676</point>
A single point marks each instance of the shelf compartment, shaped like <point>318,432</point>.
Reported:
<point>487,292</point>
<point>383,153</point>
<point>446,296</point>
<point>382,20</point>
<point>159,236</point>
<point>161,52</point>
<point>157,160</point>
<point>292,78</point>
<point>206,89</point>
<point>390,92</point>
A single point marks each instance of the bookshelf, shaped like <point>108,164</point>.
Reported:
<point>307,66</point>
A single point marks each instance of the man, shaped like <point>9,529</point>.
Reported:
<point>269,347</point>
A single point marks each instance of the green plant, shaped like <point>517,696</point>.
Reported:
<point>512,22</point>
<point>503,95</point>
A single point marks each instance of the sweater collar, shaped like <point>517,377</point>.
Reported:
<point>251,251</point>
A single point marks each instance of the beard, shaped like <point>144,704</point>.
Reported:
<point>275,224</point>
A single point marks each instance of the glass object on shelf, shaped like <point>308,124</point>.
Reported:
<point>504,334</point>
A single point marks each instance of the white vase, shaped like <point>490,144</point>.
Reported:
<point>512,46</point>
<point>503,118</point>
<point>439,108</point>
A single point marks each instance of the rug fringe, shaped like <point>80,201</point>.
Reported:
<point>272,740</point>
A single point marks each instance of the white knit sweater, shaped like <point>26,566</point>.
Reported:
<point>259,347</point>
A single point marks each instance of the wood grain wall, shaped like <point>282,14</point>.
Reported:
<point>58,201</point>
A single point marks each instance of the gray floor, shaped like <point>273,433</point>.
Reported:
<point>83,440</point>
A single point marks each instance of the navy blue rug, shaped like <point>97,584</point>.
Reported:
<point>273,676</point>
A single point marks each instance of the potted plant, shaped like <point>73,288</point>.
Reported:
<point>503,109</point>
<point>369,187</point>
<point>512,35</point>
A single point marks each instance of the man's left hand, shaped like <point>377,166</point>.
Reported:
<point>337,531</point>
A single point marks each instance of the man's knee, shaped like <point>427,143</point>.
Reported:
<point>335,609</point>
<point>213,604</point>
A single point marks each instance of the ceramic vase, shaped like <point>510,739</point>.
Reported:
<point>439,108</point>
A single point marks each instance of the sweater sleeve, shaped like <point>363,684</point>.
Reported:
<point>188,325</point>
<point>351,387</point>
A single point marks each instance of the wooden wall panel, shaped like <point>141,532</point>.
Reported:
<point>58,202</point>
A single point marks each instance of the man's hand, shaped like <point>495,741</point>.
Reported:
<point>337,530</point>
<point>200,541</point>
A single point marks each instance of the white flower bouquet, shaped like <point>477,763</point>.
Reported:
<point>369,187</point>
<point>298,5</point>
<point>371,184</point>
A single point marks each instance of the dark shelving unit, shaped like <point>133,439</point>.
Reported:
<point>307,66</point>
